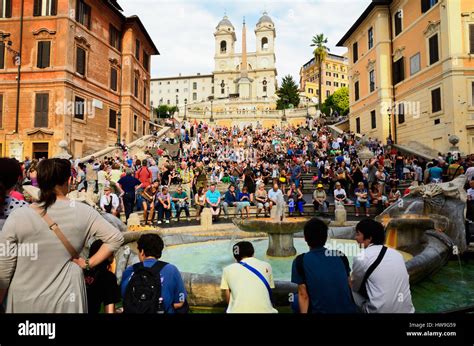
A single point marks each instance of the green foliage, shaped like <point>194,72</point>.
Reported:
<point>288,93</point>
<point>320,53</point>
<point>165,111</point>
<point>337,102</point>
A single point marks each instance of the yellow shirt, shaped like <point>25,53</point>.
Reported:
<point>248,293</point>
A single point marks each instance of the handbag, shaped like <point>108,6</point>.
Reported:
<point>53,226</point>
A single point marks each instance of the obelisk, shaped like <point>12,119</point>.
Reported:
<point>244,82</point>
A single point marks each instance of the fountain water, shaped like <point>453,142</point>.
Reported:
<point>280,230</point>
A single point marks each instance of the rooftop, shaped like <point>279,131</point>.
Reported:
<point>363,16</point>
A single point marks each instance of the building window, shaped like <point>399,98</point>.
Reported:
<point>177,90</point>
<point>357,125</point>
<point>145,92</point>
<point>5,8</point>
<point>372,81</point>
<point>113,79</point>
<point>79,108</point>
<point>112,119</point>
<point>373,119</point>
<point>168,102</point>
<point>328,83</point>
<point>135,123</point>
<point>437,121</point>
<point>401,112</point>
<point>114,37</point>
<point>434,49</point>
<point>1,111</point>
<point>195,96</point>
<point>137,49</point>
<point>328,74</point>
<point>43,56</point>
<point>472,93</point>
<point>355,52</point>
<point>146,61</point>
<point>471,38</point>
<point>398,20</point>
<point>398,71</point>
<point>436,100</point>
<point>415,64</point>
<point>222,91</point>
<point>41,110</point>
<point>370,35</point>
<point>356,91</point>
<point>427,4</point>
<point>264,88</point>
<point>135,87</point>
<point>45,8</point>
<point>328,93</point>
<point>2,55</point>
<point>195,86</point>
<point>223,47</point>
<point>336,84</point>
<point>264,43</point>
<point>144,128</point>
<point>83,13</point>
<point>81,61</point>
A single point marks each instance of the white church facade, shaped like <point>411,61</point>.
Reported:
<point>247,75</point>
<point>231,79</point>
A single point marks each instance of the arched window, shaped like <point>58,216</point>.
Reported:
<point>223,46</point>
<point>264,43</point>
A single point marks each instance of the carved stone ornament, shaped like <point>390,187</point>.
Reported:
<point>370,65</point>
<point>82,41</point>
<point>398,53</point>
<point>44,33</point>
<point>432,28</point>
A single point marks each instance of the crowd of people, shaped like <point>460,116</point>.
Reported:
<point>223,167</point>
<point>260,167</point>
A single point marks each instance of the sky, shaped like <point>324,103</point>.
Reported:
<point>183,30</point>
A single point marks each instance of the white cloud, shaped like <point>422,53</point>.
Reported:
<point>183,29</point>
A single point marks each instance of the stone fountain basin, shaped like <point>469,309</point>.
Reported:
<point>432,253</point>
<point>267,225</point>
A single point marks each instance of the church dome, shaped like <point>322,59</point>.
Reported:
<point>225,22</point>
<point>265,18</point>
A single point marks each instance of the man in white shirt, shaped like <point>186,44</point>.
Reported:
<point>387,288</point>
<point>248,282</point>
<point>109,202</point>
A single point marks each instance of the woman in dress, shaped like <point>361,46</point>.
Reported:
<point>52,282</point>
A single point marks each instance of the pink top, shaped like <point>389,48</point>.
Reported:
<point>17,195</point>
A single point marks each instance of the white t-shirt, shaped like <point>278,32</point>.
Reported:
<point>470,193</point>
<point>388,287</point>
<point>248,293</point>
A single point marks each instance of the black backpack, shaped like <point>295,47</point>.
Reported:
<point>144,290</point>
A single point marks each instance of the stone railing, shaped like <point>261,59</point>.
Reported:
<point>245,113</point>
<point>132,147</point>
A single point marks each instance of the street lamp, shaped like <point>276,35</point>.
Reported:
<point>389,112</point>
<point>185,106</point>
<point>119,127</point>
<point>285,99</point>
<point>212,111</point>
<point>159,107</point>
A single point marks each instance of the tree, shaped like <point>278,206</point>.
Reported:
<point>288,93</point>
<point>165,111</point>
<point>320,53</point>
<point>337,102</point>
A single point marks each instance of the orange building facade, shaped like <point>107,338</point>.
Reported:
<point>84,74</point>
<point>411,66</point>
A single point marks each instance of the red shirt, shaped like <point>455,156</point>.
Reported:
<point>144,175</point>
